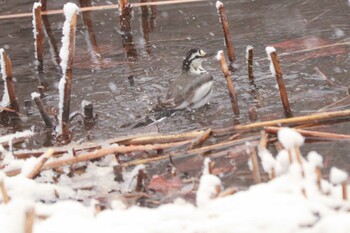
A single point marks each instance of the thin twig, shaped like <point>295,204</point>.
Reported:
<point>4,193</point>
<point>29,220</point>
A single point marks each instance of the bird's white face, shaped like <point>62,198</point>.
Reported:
<point>196,62</point>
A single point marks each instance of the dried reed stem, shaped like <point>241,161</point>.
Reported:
<point>40,164</point>
<point>105,151</point>
<point>313,134</point>
<point>231,89</point>
<point>290,156</point>
<point>99,8</point>
<point>250,63</point>
<point>4,193</point>
<point>319,177</point>
<point>225,28</point>
<point>294,120</point>
<point>9,82</point>
<point>299,159</point>
<point>38,36</point>
<point>139,181</point>
<point>281,86</point>
<point>200,139</point>
<point>344,191</point>
<point>39,103</point>
<point>255,165</point>
<point>29,220</point>
<point>43,5</point>
<point>69,77</point>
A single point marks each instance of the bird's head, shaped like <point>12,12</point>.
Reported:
<point>193,61</point>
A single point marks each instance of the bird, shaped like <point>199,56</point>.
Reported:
<point>193,88</point>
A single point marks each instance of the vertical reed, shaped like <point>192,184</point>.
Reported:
<point>38,35</point>
<point>6,70</point>
<point>39,103</point>
<point>275,69</point>
<point>67,55</point>
<point>233,95</point>
<point>225,27</point>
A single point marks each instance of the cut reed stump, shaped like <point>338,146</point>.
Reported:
<point>249,57</point>
<point>233,95</point>
<point>225,27</point>
<point>38,35</point>
<point>9,92</point>
<point>275,69</point>
<point>67,55</point>
<point>39,103</point>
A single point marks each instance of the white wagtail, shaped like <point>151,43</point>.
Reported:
<point>193,87</point>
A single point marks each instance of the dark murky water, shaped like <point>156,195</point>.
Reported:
<point>160,41</point>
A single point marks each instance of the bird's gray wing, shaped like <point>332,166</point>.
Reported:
<point>183,88</point>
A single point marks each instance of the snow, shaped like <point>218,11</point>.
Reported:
<point>69,9</point>
<point>290,138</point>
<point>269,50</point>
<point>337,176</point>
<point>218,5</point>
<point>315,159</point>
<point>267,161</point>
<point>61,87</point>
<point>5,102</point>
<point>35,6</point>
<point>219,55</point>
<point>35,95</point>
<point>249,47</point>
<point>275,206</point>
<point>21,134</point>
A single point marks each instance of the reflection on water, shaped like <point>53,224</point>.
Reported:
<point>122,70</point>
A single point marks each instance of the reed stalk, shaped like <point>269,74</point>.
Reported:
<point>38,35</point>
<point>231,89</point>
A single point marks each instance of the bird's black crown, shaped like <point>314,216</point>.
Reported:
<point>190,56</point>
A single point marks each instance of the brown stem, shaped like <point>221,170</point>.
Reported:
<point>231,89</point>
<point>29,220</point>
<point>293,120</point>
<point>250,63</point>
<point>4,193</point>
<point>68,73</point>
<point>43,5</point>
<point>40,164</point>
<point>299,159</point>
<point>225,28</point>
<point>139,181</point>
<point>39,103</point>
<point>9,82</point>
<point>344,191</point>
<point>255,165</point>
<point>319,177</point>
<point>281,86</point>
<point>200,139</point>
<point>313,134</point>
<point>39,37</point>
